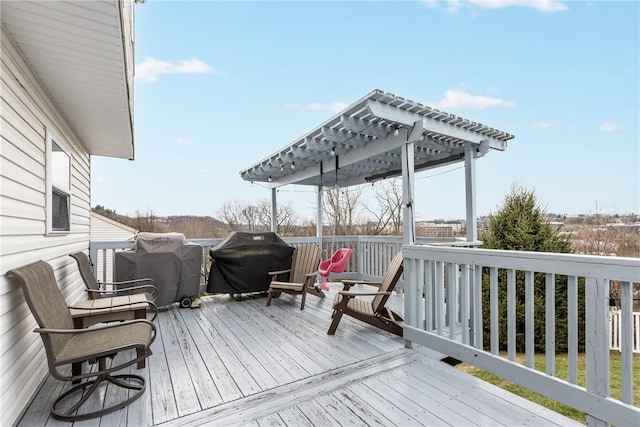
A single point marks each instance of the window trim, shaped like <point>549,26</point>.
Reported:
<point>51,138</point>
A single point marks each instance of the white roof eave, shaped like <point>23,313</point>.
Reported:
<point>82,54</point>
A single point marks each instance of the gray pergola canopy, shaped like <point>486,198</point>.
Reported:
<point>364,142</point>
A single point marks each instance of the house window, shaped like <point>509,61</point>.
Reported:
<point>58,187</point>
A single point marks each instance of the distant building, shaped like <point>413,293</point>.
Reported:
<point>431,229</point>
<point>627,228</point>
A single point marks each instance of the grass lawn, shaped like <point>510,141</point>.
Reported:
<point>562,372</point>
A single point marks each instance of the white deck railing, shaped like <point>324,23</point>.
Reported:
<point>443,311</point>
<point>370,259</point>
<point>431,322</point>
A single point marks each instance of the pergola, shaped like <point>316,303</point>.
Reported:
<point>379,136</point>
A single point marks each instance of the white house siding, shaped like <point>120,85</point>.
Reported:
<point>26,113</point>
<point>105,229</point>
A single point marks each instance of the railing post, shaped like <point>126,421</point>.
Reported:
<point>626,341</point>
<point>597,337</point>
<point>410,295</point>
<point>572,300</point>
<point>493,310</point>
<point>478,332</point>
<point>360,256</point>
<point>511,314</point>
<point>93,256</point>
<point>529,319</point>
<point>550,323</point>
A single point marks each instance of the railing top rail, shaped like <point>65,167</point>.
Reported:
<point>614,268</point>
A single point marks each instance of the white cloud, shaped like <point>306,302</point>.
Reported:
<point>334,107</point>
<point>432,4</point>
<point>184,141</point>
<point>150,68</point>
<point>537,124</point>
<point>456,98</point>
<point>609,127</point>
<point>546,6</point>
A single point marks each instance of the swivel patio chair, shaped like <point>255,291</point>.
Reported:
<point>302,275</point>
<point>374,311</point>
<point>98,289</point>
<point>65,345</point>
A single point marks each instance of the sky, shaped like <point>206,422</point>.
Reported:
<point>220,86</point>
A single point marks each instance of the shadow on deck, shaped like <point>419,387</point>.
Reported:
<point>242,363</point>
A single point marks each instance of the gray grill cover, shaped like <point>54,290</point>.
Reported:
<point>167,258</point>
<point>242,261</point>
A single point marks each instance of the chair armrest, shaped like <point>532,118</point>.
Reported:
<point>95,328</point>
<point>46,332</point>
<point>278,272</point>
<point>134,287</point>
<point>314,274</point>
<point>348,283</point>
<point>132,281</point>
<point>152,305</point>
<point>350,294</point>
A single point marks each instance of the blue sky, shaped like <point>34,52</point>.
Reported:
<point>221,85</point>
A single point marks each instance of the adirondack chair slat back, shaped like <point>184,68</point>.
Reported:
<point>305,260</point>
<point>389,282</point>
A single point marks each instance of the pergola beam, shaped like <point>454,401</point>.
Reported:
<point>390,113</point>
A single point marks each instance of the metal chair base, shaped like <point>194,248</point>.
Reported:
<point>127,381</point>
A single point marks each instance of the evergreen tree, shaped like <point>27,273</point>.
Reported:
<point>520,225</point>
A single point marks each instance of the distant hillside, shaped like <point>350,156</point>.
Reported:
<point>193,227</point>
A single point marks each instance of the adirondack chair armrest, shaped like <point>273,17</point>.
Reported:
<point>314,274</point>
<point>351,294</point>
<point>348,283</point>
<point>278,272</point>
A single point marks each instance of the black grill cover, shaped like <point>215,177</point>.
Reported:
<point>242,261</point>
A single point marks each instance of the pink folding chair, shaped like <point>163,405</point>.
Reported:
<point>336,264</point>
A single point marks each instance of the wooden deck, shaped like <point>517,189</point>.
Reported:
<point>242,363</point>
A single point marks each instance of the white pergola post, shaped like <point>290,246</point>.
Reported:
<point>408,220</point>
<point>274,211</point>
<point>319,218</point>
<point>470,189</point>
<point>472,232</point>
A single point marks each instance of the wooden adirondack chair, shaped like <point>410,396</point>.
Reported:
<point>374,311</point>
<point>302,275</point>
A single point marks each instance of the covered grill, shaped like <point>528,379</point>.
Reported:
<point>242,261</point>
<point>167,258</point>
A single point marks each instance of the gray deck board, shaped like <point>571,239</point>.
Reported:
<point>243,363</point>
